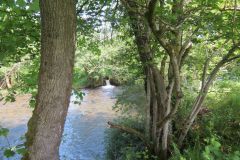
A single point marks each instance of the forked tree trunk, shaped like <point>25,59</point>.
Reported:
<point>58,31</point>
<point>162,90</point>
<point>155,87</point>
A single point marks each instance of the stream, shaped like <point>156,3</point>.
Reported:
<point>85,126</point>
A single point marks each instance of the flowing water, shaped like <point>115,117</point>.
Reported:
<point>83,137</point>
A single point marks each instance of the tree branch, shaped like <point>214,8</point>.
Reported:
<point>132,131</point>
<point>227,58</point>
<point>204,74</point>
<point>157,32</point>
<point>163,65</point>
<point>81,7</point>
<point>233,58</point>
<point>130,8</point>
<point>179,94</point>
<point>230,9</point>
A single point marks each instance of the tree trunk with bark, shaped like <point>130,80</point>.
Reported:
<point>58,34</point>
<point>161,89</point>
<point>158,94</point>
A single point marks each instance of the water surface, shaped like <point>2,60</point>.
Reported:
<point>85,125</point>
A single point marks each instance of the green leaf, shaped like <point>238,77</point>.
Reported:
<point>4,132</point>
<point>21,3</point>
<point>9,153</point>
<point>21,151</point>
<point>34,6</point>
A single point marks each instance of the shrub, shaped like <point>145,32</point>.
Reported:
<point>211,151</point>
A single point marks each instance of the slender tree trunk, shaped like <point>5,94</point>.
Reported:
<point>8,81</point>
<point>189,121</point>
<point>206,83</point>
<point>147,116</point>
<point>58,31</point>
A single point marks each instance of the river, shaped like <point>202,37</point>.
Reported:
<point>84,132</point>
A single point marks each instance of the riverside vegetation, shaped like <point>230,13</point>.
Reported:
<point>176,63</point>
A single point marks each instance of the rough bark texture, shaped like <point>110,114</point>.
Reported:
<point>58,22</point>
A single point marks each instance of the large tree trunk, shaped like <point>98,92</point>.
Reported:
<point>58,22</point>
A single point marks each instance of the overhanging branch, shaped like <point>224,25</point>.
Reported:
<point>132,131</point>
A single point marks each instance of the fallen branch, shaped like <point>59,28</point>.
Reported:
<point>132,131</point>
<point>230,9</point>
